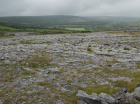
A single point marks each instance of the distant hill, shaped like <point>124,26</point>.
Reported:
<point>44,20</point>
<point>60,21</point>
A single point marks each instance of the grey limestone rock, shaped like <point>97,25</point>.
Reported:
<point>129,98</point>
<point>93,99</point>
<point>7,62</point>
<point>55,70</point>
<point>137,93</point>
<point>120,96</point>
<point>81,102</point>
<point>106,98</point>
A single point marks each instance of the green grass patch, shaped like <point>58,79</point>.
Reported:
<point>77,29</point>
<point>89,49</point>
<point>14,95</point>
<point>12,35</point>
<point>8,28</point>
<point>39,92</point>
<point>121,83</point>
<point>138,65</point>
<point>42,61</point>
<point>98,89</point>
<point>22,99</point>
<point>41,31</point>
<point>131,85</point>
<point>2,34</point>
<point>7,101</point>
<point>72,99</point>
<point>2,94</point>
<point>117,72</point>
<point>25,42</point>
<point>127,49</point>
<point>42,83</point>
<point>6,79</point>
<point>27,72</point>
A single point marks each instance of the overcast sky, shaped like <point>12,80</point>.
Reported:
<point>129,8</point>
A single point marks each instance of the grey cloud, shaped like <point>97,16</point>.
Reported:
<point>12,7</point>
<point>70,7</point>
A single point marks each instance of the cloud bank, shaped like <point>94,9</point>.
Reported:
<point>129,8</point>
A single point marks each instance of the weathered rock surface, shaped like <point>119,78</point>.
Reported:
<point>106,98</point>
<point>121,97</point>
<point>137,93</point>
<point>89,99</point>
<point>71,65</point>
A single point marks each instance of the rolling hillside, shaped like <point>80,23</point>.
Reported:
<point>60,22</point>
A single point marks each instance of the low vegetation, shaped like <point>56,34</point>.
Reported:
<point>42,61</point>
<point>27,72</point>
<point>8,101</point>
<point>99,88</point>
<point>45,74</point>
<point>67,24</point>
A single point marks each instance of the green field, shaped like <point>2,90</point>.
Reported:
<point>68,24</point>
<point>8,28</point>
<point>5,28</point>
<point>77,29</point>
<point>48,30</point>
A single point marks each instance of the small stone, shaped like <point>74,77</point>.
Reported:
<point>55,70</point>
<point>138,85</point>
<point>24,79</point>
<point>14,62</point>
<point>47,72</point>
<point>7,62</point>
<point>6,94</point>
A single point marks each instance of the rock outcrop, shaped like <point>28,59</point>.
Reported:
<point>121,97</point>
<point>137,93</point>
<point>89,99</point>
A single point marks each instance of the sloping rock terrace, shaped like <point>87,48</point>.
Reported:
<point>52,68</point>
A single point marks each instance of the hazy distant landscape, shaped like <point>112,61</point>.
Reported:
<point>68,24</point>
<point>49,59</point>
<point>69,51</point>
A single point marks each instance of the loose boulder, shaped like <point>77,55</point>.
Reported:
<point>89,99</point>
<point>120,96</point>
<point>137,93</point>
<point>106,98</point>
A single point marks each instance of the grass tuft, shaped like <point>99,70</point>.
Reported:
<point>7,101</point>
<point>27,72</point>
<point>89,49</point>
<point>42,83</point>
<point>127,49</point>
<point>98,89</point>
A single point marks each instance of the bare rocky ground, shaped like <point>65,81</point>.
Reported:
<point>50,69</point>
